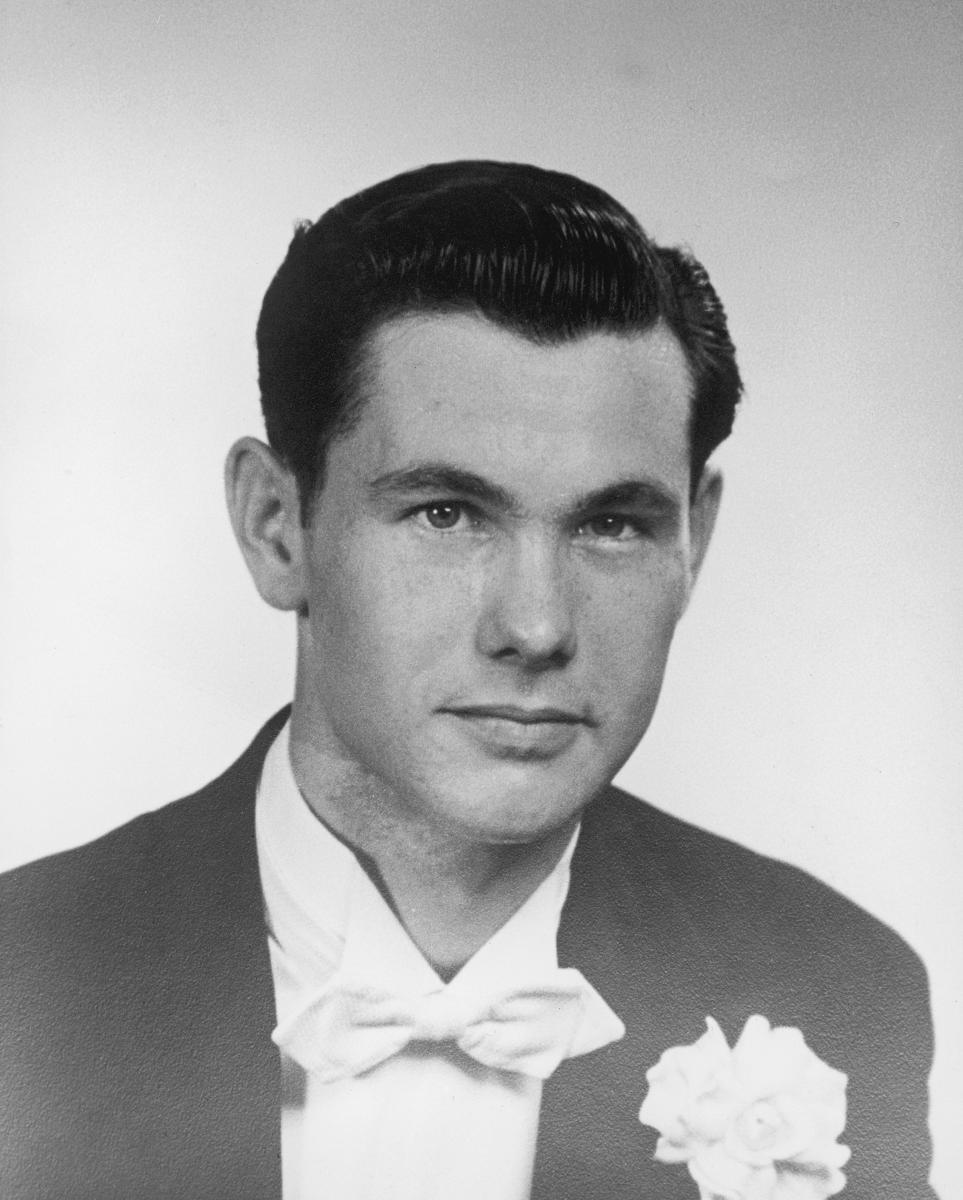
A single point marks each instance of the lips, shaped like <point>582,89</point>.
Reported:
<point>514,712</point>
<point>519,731</point>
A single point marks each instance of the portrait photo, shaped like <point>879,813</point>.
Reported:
<point>525,441</point>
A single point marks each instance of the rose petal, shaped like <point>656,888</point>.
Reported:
<point>716,1170</point>
<point>687,1088</point>
<point>671,1152</point>
<point>807,1183</point>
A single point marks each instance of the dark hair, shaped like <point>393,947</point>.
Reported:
<point>543,254</point>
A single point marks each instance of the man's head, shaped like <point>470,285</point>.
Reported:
<point>489,400</point>
<point>539,253</point>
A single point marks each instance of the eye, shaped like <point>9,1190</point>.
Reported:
<point>442,514</point>
<point>611,527</point>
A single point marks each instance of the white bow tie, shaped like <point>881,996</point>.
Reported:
<point>349,1027</point>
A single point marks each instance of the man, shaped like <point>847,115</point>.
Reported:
<point>490,403</point>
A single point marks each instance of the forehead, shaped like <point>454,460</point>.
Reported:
<point>457,388</point>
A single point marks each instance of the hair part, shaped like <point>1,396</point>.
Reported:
<point>544,255</point>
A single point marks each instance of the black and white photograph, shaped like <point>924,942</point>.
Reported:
<point>482,640</point>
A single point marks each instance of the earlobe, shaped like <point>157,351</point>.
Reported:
<point>263,503</point>
<point>702,519</point>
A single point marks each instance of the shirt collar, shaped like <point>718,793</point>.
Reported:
<point>306,873</point>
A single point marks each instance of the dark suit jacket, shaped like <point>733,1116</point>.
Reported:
<point>136,1006</point>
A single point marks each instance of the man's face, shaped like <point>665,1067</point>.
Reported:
<point>494,570</point>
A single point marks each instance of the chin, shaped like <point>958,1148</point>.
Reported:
<point>518,812</point>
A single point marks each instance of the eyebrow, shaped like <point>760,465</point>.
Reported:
<point>634,493</point>
<point>444,479</point>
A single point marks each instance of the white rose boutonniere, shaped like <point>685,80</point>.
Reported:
<point>758,1121</point>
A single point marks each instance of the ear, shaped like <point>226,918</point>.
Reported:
<point>702,520</point>
<point>265,511</point>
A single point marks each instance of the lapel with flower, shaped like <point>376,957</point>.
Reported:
<point>673,924</point>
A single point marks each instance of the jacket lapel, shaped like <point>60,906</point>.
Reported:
<point>624,929</point>
<point>218,1016</point>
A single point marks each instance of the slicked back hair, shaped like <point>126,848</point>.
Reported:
<point>542,254</point>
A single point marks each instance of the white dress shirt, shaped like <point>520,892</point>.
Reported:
<point>429,1122</point>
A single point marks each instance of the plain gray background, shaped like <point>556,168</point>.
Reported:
<point>155,157</point>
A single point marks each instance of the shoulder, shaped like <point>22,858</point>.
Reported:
<point>127,967</point>
<point>734,895</point>
<point>747,933</point>
<point>138,877</point>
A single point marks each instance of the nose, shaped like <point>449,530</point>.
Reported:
<point>528,612</point>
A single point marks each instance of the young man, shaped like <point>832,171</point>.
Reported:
<point>490,402</point>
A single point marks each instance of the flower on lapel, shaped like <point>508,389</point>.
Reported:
<point>757,1121</point>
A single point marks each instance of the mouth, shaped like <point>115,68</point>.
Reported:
<point>523,716</point>
<point>517,731</point>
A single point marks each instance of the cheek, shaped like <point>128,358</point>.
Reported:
<point>375,619</point>
<point>630,635</point>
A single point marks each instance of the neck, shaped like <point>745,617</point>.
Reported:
<point>451,892</point>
